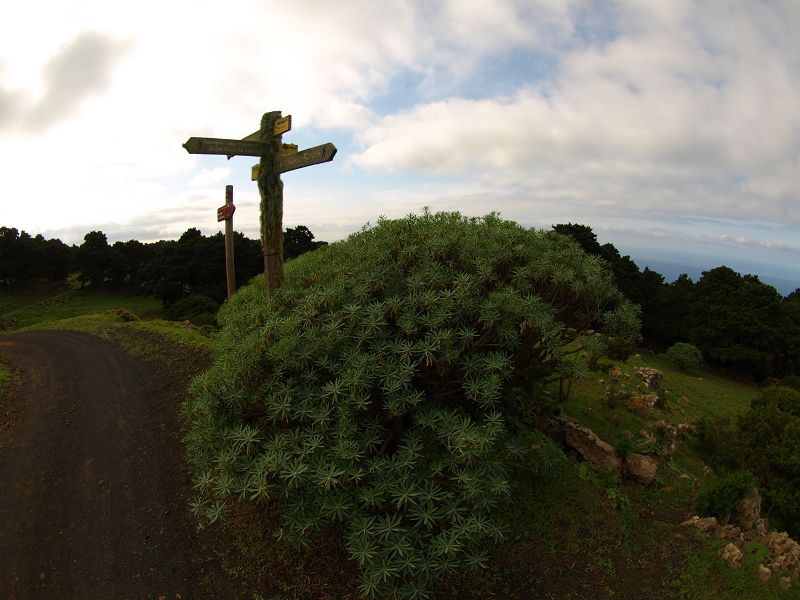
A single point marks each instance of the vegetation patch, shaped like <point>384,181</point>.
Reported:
<point>381,391</point>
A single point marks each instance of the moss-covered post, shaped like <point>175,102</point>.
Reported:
<point>270,188</point>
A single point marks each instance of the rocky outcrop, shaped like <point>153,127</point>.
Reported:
<point>748,511</point>
<point>651,377</point>
<point>592,449</point>
<point>664,436</point>
<point>640,467</point>
<point>731,555</point>
<point>643,403</point>
<point>705,525</point>
<point>784,552</point>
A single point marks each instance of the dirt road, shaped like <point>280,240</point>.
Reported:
<point>93,488</point>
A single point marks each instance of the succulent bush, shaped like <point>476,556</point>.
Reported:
<point>684,356</point>
<point>374,392</point>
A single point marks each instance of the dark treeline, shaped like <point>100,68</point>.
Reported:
<point>737,321</point>
<point>171,270</point>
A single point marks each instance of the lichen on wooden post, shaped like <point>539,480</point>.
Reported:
<point>270,188</point>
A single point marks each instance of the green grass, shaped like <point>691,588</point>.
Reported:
<point>95,312</point>
<point>688,396</point>
<point>46,312</point>
<point>5,378</point>
<point>706,577</point>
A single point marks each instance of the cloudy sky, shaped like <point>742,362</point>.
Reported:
<point>671,127</point>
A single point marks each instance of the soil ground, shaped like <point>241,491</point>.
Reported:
<point>93,488</point>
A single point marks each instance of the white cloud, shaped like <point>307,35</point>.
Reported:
<point>210,176</point>
<point>649,121</point>
<point>642,109</point>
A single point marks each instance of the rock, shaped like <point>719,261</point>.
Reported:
<point>785,552</point>
<point>592,449</point>
<point>748,511</point>
<point>777,542</point>
<point>705,525</point>
<point>761,527</point>
<point>731,533</point>
<point>643,403</point>
<point>785,583</point>
<point>764,573</point>
<point>731,555</point>
<point>651,377</point>
<point>640,467</point>
<point>663,436</point>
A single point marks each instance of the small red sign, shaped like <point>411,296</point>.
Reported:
<point>225,212</point>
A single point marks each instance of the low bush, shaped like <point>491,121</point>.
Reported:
<point>765,441</point>
<point>196,308</point>
<point>723,496</point>
<point>377,392</point>
<point>769,444</point>
<point>684,356</point>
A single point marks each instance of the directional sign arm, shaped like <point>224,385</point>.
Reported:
<point>305,158</point>
<point>200,145</point>
<point>281,126</point>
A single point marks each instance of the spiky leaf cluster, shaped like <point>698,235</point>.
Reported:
<point>370,392</point>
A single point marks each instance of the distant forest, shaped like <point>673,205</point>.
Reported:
<point>737,321</point>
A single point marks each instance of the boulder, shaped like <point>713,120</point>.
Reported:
<point>705,525</point>
<point>764,573</point>
<point>640,467</point>
<point>761,526</point>
<point>731,533</point>
<point>651,377</point>
<point>592,449</point>
<point>731,555</point>
<point>643,403</point>
<point>748,511</point>
<point>785,552</point>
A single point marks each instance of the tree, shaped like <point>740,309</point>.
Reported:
<point>94,258</point>
<point>583,234</point>
<point>296,241</point>
<point>734,320</point>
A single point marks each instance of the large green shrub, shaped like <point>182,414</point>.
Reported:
<point>684,356</point>
<point>374,391</point>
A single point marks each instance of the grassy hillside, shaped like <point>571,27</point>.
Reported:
<point>100,312</point>
<point>572,533</point>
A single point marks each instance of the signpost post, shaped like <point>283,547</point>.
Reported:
<point>276,158</point>
<point>225,213</point>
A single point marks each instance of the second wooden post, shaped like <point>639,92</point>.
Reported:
<point>230,273</point>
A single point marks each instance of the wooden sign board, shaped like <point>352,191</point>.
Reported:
<point>305,158</point>
<point>199,145</point>
<point>281,126</point>
<point>285,150</point>
<point>225,212</point>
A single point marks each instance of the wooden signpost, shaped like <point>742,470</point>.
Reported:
<point>225,213</point>
<point>276,158</point>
